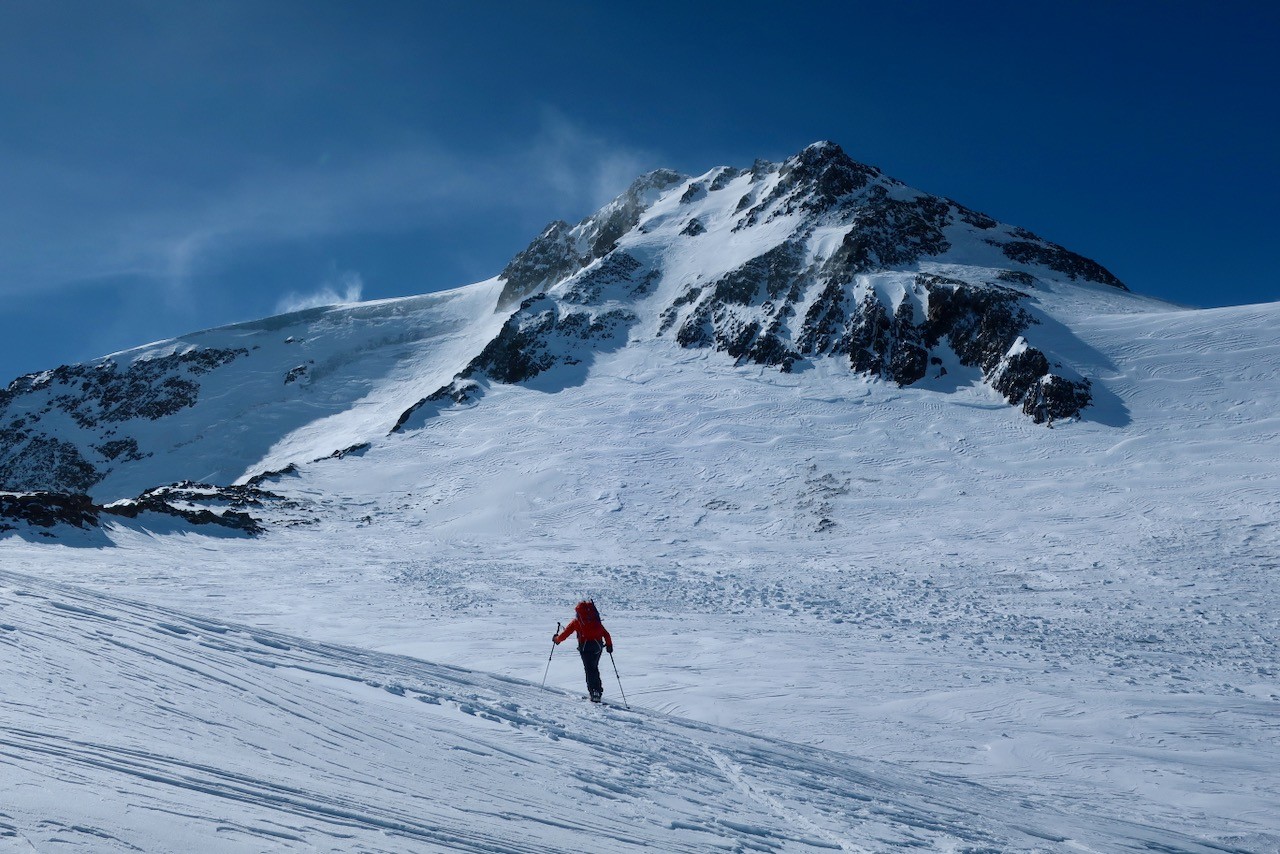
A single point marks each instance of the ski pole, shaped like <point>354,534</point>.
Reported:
<point>553,652</point>
<point>619,678</point>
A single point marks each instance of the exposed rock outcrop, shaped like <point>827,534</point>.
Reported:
<point>196,504</point>
<point>47,510</point>
<point>545,333</point>
<point>1044,254</point>
<point>562,250</point>
<point>36,452</point>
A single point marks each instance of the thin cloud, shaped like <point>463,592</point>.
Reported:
<point>175,238</point>
<point>583,169</point>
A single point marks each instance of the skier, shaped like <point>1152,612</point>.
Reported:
<point>593,639</point>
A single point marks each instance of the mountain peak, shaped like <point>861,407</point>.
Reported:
<point>825,173</point>
<point>825,152</point>
<point>786,263</point>
<point>655,180</point>
<point>562,250</point>
<point>815,259</point>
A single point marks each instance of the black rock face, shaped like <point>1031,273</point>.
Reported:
<point>47,510</point>
<point>522,349</point>
<point>695,191</point>
<point>867,339</point>
<point>1053,256</point>
<point>891,226</point>
<point>749,313</point>
<point>615,277</point>
<point>1026,379</point>
<point>984,328</point>
<point>971,217</point>
<point>825,320</point>
<point>723,176</point>
<point>356,450</point>
<point>981,324</point>
<point>831,173</point>
<point>890,233</point>
<point>817,180</point>
<point>272,474</point>
<point>694,228</point>
<point>547,333</point>
<point>41,462</point>
<point>543,334</point>
<point>1017,277</point>
<point>178,501</point>
<point>766,277</point>
<point>604,228</point>
<point>548,259</point>
<point>105,393</point>
<point>122,450</point>
<point>908,359</point>
<point>769,284</point>
<point>877,343</point>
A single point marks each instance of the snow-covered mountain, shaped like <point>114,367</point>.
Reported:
<point>855,607</point>
<point>786,265</point>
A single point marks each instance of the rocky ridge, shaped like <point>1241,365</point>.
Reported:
<point>195,504</point>
<point>562,250</point>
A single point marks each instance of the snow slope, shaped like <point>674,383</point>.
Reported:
<point>1008,637</point>
<point>200,735</point>
<point>283,389</point>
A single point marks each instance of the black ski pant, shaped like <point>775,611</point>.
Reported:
<point>591,652</point>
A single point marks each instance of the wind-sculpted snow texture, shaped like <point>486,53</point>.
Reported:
<point>763,417</point>
<point>195,733</point>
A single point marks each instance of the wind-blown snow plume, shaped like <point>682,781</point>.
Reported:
<point>345,287</point>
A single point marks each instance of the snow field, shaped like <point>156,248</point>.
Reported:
<point>1083,616</point>
<point>194,734</point>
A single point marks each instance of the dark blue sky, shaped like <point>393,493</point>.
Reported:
<point>173,166</point>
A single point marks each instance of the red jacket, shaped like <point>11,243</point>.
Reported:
<point>588,626</point>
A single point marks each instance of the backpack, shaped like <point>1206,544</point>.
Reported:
<point>587,611</point>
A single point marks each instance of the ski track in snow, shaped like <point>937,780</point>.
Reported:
<point>250,740</point>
